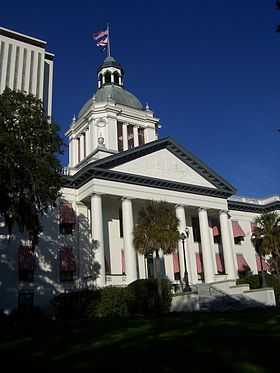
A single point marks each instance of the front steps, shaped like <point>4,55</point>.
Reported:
<point>223,296</point>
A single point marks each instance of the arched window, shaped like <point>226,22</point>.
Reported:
<point>107,77</point>
<point>116,77</point>
<point>100,79</point>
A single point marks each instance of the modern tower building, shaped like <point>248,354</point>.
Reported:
<point>26,66</point>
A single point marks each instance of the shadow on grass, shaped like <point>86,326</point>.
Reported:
<point>201,341</point>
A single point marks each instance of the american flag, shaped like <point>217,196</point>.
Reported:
<point>101,38</point>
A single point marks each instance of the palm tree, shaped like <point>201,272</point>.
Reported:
<point>157,229</point>
<point>266,238</point>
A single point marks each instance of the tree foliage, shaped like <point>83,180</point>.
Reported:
<point>29,146</point>
<point>157,229</point>
<point>266,237</point>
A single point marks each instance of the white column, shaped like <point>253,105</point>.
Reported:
<point>82,147</point>
<point>227,246</point>
<point>191,250</point>
<point>135,135</point>
<point>180,213</point>
<point>125,141</point>
<point>88,149</point>
<point>97,237</point>
<point>129,250</point>
<point>207,256</point>
<point>70,153</point>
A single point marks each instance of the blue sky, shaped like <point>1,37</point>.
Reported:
<point>208,69</point>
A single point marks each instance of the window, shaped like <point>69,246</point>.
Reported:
<point>67,264</point>
<point>120,136</point>
<point>25,264</point>
<point>100,79</point>
<point>130,136</point>
<point>141,139</point>
<point>39,74</point>
<point>23,69</point>
<point>79,149</point>
<point>85,145</point>
<point>107,77</point>
<point>121,222</point>
<point>66,219</point>
<point>116,77</point>
<point>31,72</point>
<point>16,69</point>
<point>8,65</point>
<point>196,229</point>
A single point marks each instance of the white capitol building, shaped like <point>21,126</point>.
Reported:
<point>117,163</point>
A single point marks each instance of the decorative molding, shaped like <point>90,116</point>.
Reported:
<point>254,208</point>
<point>90,172</point>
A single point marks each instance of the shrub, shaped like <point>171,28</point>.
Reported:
<point>113,303</point>
<point>74,305</point>
<point>255,283</point>
<point>145,297</point>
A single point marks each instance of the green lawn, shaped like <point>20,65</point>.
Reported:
<point>228,342</point>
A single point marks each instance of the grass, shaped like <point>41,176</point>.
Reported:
<point>204,341</point>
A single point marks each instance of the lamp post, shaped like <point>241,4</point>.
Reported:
<point>183,237</point>
<point>258,241</point>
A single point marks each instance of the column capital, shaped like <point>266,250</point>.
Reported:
<point>202,209</point>
<point>96,195</point>
<point>224,212</point>
<point>178,205</point>
<point>124,198</point>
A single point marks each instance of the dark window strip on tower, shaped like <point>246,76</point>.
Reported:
<point>9,65</point>
<point>2,49</point>
<point>16,68</point>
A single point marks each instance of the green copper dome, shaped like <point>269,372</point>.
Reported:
<point>115,93</point>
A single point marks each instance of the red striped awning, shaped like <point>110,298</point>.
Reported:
<point>264,264</point>
<point>26,260</point>
<point>176,262</point>
<point>199,265</point>
<point>216,231</point>
<point>67,260</point>
<point>253,227</point>
<point>67,214</point>
<point>122,261</point>
<point>237,230</point>
<point>220,263</point>
<point>242,264</point>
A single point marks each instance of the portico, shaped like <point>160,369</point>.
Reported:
<point>124,201</point>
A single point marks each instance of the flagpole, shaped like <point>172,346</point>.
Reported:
<point>108,46</point>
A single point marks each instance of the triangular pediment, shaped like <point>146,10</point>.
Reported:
<point>162,164</point>
<point>167,161</point>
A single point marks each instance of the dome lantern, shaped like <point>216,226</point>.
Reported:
<point>110,72</point>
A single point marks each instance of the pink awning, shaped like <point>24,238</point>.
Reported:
<point>242,264</point>
<point>25,258</point>
<point>67,214</point>
<point>237,230</point>
<point>122,261</point>
<point>199,265</point>
<point>216,231</point>
<point>264,264</point>
<point>220,263</point>
<point>67,260</point>
<point>253,227</point>
<point>176,262</point>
